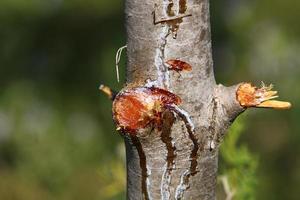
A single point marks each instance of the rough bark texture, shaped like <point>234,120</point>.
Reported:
<point>181,160</point>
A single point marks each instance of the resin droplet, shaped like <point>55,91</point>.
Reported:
<point>178,65</point>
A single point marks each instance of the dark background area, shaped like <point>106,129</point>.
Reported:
<point>57,139</point>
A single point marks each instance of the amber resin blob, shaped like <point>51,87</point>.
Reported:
<point>178,65</point>
<point>140,107</point>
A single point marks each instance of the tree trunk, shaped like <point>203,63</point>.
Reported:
<point>172,114</point>
<point>179,162</point>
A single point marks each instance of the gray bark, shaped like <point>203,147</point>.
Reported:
<point>181,161</point>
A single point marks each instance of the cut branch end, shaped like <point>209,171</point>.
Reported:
<point>251,96</point>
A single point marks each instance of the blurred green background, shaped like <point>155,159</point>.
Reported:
<point>57,139</point>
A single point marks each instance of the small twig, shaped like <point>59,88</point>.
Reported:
<point>228,191</point>
<point>106,90</point>
<point>118,57</point>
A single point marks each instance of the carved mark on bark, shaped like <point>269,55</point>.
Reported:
<point>168,120</point>
<point>170,16</point>
<point>143,165</point>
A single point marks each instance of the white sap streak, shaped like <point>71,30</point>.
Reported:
<point>212,145</point>
<point>184,180</point>
<point>165,182</point>
<point>186,116</point>
<point>182,185</point>
<point>148,182</point>
<point>150,83</point>
<point>165,5</point>
<point>162,69</point>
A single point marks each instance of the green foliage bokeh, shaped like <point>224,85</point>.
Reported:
<point>57,139</point>
<point>237,164</point>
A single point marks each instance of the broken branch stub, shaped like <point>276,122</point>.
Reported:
<point>137,108</point>
<point>251,96</point>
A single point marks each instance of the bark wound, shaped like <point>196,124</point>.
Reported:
<point>138,108</point>
<point>143,165</point>
<point>168,120</point>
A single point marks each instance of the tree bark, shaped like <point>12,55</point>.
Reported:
<point>181,160</point>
